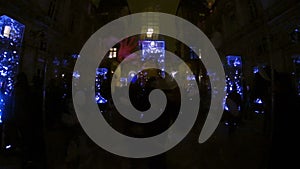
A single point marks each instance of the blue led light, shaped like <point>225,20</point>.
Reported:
<point>234,60</point>
<point>191,77</point>
<point>75,56</point>
<point>56,62</point>
<point>226,107</point>
<point>258,101</point>
<point>99,99</point>
<point>255,70</point>
<point>102,72</point>
<point>76,75</point>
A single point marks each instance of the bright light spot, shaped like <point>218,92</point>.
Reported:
<point>149,32</point>
<point>152,44</point>
<point>200,54</point>
<point>258,101</point>
<point>8,147</point>
<point>76,75</point>
<point>173,73</point>
<point>100,99</point>
<point>6,31</point>
<point>255,70</point>
<point>226,107</point>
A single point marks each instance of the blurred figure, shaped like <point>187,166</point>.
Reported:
<point>262,90</point>
<point>37,120</point>
<point>23,117</point>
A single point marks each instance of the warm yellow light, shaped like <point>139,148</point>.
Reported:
<point>149,32</point>
<point>112,53</point>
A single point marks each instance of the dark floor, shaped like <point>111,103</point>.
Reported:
<point>247,148</point>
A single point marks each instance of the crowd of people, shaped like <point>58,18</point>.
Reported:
<point>39,109</point>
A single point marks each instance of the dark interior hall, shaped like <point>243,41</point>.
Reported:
<point>239,84</point>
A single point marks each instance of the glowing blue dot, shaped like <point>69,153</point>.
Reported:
<point>226,108</point>
<point>258,101</point>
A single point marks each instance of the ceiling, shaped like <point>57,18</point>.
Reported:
<point>166,6</point>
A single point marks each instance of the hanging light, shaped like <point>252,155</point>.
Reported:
<point>6,31</point>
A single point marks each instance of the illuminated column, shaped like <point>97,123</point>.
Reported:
<point>234,74</point>
<point>154,52</point>
<point>11,36</point>
<point>101,74</point>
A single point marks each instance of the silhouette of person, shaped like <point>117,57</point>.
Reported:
<point>22,113</point>
<point>36,93</point>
